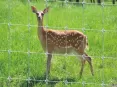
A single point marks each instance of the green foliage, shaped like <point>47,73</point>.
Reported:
<point>17,39</point>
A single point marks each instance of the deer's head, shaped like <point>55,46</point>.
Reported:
<point>39,14</point>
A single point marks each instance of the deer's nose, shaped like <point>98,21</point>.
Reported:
<point>39,17</point>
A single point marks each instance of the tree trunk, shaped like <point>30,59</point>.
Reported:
<point>99,1</point>
<point>113,1</point>
<point>77,0</point>
<point>92,1</point>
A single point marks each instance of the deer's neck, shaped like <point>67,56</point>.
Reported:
<point>41,33</point>
<point>40,28</point>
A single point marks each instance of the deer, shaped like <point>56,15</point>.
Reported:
<point>61,41</point>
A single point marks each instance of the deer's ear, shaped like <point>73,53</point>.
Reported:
<point>34,9</point>
<point>46,10</point>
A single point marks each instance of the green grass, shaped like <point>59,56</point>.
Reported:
<point>18,38</point>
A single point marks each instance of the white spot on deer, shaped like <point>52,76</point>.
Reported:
<point>77,41</point>
<point>76,44</point>
<point>80,36</point>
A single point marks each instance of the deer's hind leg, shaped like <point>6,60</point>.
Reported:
<point>84,57</point>
<point>88,59</point>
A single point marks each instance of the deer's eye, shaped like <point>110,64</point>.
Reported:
<point>42,14</point>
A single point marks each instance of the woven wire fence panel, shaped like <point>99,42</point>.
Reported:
<point>23,61</point>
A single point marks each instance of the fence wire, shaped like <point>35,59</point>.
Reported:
<point>46,80</point>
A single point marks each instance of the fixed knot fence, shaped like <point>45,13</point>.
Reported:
<point>23,60</point>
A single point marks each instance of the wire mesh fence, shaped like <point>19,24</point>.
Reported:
<point>23,61</point>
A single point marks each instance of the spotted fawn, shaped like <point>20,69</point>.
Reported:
<point>61,41</point>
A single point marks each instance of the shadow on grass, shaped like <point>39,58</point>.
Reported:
<point>40,81</point>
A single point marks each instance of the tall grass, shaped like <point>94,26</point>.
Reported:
<point>18,39</point>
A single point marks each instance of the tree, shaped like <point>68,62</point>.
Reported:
<point>92,1</point>
<point>99,1</point>
<point>113,1</point>
<point>77,0</point>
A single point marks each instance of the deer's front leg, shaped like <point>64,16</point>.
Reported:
<point>49,56</point>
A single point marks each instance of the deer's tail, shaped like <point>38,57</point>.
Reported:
<point>86,42</point>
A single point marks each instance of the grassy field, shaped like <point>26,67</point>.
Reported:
<point>18,37</point>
